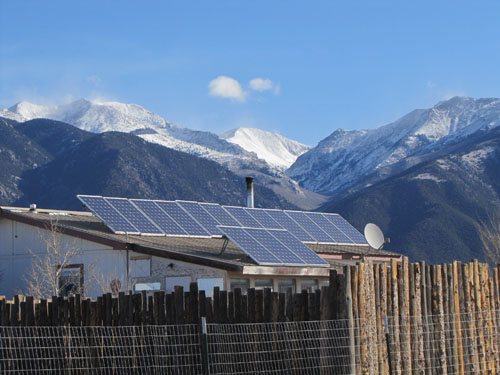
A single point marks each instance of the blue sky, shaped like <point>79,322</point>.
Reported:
<point>302,69</point>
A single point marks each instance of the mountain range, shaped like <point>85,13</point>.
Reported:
<point>430,179</point>
<point>233,150</point>
<point>48,162</point>
<point>347,161</point>
<point>437,210</point>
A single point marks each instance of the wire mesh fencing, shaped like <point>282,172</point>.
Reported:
<point>467,343</point>
<point>100,350</point>
<point>311,347</point>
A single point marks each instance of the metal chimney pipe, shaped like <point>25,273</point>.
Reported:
<point>249,181</point>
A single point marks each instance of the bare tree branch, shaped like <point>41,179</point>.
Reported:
<point>44,278</point>
<point>490,238</point>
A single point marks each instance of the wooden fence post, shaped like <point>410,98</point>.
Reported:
<point>363,334</point>
<point>251,305</point>
<point>350,320</point>
<point>179,304</point>
<point>404,293</point>
<point>478,317</point>
<point>473,365</point>
<point>193,304</point>
<point>395,315</point>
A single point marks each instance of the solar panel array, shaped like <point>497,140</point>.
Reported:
<point>272,246</point>
<point>185,218</point>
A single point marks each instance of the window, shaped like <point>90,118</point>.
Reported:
<point>71,280</point>
<point>148,287</point>
<point>243,284</point>
<point>208,284</point>
<point>309,285</point>
<point>263,284</point>
<point>172,282</point>
<point>285,284</point>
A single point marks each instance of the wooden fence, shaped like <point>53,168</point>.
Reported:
<point>179,307</point>
<point>442,318</point>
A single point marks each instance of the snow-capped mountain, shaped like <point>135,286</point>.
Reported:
<point>97,117</point>
<point>275,149</point>
<point>439,210</point>
<point>353,159</point>
<point>93,116</point>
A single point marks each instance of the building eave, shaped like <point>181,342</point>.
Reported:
<point>124,245</point>
<point>116,245</point>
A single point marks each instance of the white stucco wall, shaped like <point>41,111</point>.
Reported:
<point>19,241</point>
<point>162,268</point>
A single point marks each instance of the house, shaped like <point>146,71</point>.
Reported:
<point>104,260</point>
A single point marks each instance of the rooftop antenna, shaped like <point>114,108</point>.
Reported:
<point>374,236</point>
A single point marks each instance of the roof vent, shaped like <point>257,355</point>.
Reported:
<point>33,207</point>
<point>249,181</point>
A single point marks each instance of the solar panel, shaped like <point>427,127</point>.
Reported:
<point>275,247</point>
<point>202,217</point>
<point>133,215</point>
<point>219,214</point>
<point>182,218</point>
<point>250,245</point>
<point>310,226</point>
<point>347,228</point>
<point>298,248</point>
<point>104,211</point>
<point>326,225</point>
<point>243,217</point>
<point>291,226</point>
<point>263,218</point>
<point>160,217</point>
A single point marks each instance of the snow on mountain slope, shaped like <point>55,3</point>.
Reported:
<point>344,158</point>
<point>98,117</point>
<point>95,116</point>
<point>277,150</point>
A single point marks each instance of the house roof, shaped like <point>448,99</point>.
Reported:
<point>203,251</point>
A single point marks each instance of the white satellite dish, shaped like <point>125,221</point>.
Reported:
<point>374,236</point>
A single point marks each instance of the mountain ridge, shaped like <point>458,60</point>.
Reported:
<point>97,116</point>
<point>276,149</point>
<point>436,210</point>
<point>344,158</point>
<point>62,161</point>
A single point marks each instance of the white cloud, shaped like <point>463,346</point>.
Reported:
<point>226,87</point>
<point>261,84</point>
<point>265,84</point>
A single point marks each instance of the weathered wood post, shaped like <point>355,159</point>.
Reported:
<point>350,320</point>
<point>395,315</point>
